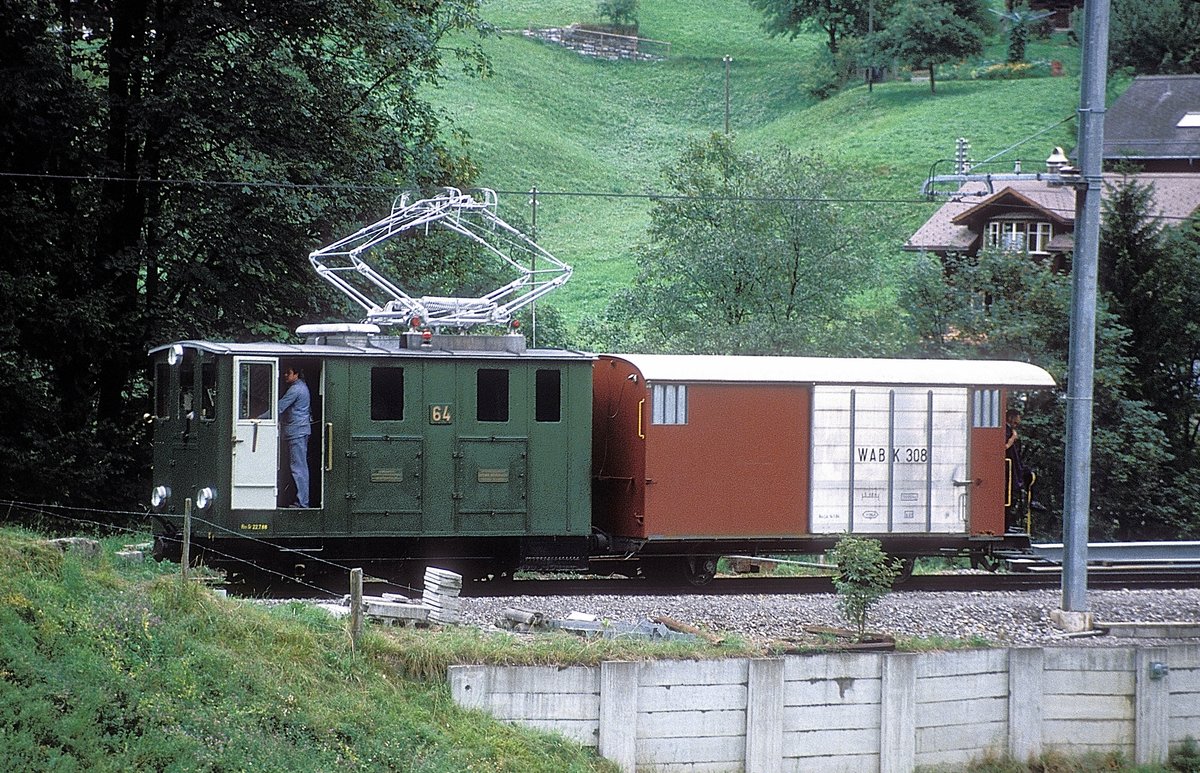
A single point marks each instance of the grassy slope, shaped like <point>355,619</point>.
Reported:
<point>564,123</point>
<point>106,668</point>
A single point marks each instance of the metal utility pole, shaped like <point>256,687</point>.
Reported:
<point>1081,367</point>
<point>533,205</point>
<point>727,59</point>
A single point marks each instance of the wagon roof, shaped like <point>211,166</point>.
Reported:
<point>828,370</point>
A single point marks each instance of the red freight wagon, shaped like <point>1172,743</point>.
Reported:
<point>712,455</point>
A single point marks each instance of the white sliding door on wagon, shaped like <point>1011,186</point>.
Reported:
<point>890,460</point>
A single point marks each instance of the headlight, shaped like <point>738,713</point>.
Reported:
<point>174,354</point>
<point>159,497</point>
<point>205,497</point>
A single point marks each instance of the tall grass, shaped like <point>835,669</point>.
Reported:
<point>106,668</point>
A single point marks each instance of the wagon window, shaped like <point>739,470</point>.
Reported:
<point>549,395</point>
<point>387,394</point>
<point>669,404</point>
<point>162,390</point>
<point>491,395</point>
<point>987,408</point>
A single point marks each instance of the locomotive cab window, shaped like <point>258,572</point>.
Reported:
<point>668,404</point>
<point>187,391</point>
<point>491,394</point>
<point>254,387</point>
<point>387,394</point>
<point>162,390</point>
<point>208,391</point>
<point>548,389</point>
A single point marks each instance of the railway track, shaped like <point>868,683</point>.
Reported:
<point>1099,578</point>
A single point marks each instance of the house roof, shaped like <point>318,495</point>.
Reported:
<point>956,226</point>
<point>1143,122</point>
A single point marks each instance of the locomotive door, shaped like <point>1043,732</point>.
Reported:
<point>385,474</point>
<point>890,460</point>
<point>255,433</point>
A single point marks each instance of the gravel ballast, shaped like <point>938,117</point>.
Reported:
<point>1018,618</point>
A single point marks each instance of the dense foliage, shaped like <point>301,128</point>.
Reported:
<point>1154,37</point>
<point>167,168</point>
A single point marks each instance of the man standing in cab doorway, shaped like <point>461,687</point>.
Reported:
<point>295,424</point>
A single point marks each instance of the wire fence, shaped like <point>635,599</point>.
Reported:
<point>85,519</point>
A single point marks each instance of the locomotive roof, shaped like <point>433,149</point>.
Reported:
<point>365,349</point>
<point>830,370</point>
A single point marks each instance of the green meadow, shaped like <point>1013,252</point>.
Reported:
<point>593,135</point>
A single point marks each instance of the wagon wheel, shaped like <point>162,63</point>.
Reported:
<point>907,564</point>
<point>986,560</point>
<point>699,570</point>
<point>693,570</point>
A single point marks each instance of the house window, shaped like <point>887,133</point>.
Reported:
<point>1019,235</point>
<point>668,404</point>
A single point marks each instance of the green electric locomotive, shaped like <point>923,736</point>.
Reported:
<point>468,451</point>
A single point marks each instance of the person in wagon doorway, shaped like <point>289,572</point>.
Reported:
<point>295,424</point>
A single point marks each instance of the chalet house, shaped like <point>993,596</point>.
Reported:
<point>1033,217</point>
<point>1154,125</point>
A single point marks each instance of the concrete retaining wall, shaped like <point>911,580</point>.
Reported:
<point>854,712</point>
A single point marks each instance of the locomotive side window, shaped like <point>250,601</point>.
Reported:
<point>491,395</point>
<point>387,394</point>
<point>548,389</point>
<point>254,398</point>
<point>987,408</point>
<point>668,404</point>
<point>162,389</point>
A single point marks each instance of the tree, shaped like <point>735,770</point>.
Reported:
<point>1019,21</point>
<point>838,19</point>
<point>170,166</point>
<point>1151,277</point>
<point>926,33</point>
<point>1155,37</point>
<point>618,11</point>
<point>997,305</point>
<point>750,253</point>
<point>864,575</point>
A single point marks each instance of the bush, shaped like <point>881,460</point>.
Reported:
<point>1011,71</point>
<point>864,575</point>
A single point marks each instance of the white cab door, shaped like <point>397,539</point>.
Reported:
<point>255,433</point>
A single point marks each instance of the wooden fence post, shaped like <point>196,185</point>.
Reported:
<point>356,607</point>
<point>185,558</point>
